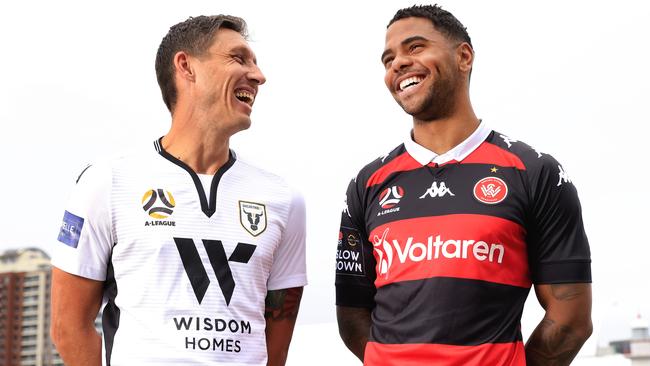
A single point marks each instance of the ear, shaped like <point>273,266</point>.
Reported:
<point>183,66</point>
<point>465,57</point>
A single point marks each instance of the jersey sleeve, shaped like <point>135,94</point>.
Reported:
<point>558,248</point>
<point>355,263</point>
<point>289,267</point>
<point>85,239</point>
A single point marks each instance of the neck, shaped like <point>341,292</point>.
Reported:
<point>197,142</point>
<point>442,135</point>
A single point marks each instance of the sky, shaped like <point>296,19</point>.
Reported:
<point>569,78</point>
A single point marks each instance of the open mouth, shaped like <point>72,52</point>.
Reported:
<point>245,96</point>
<point>410,82</point>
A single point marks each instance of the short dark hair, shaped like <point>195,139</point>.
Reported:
<point>443,21</point>
<point>194,36</point>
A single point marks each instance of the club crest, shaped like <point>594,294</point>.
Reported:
<point>252,217</point>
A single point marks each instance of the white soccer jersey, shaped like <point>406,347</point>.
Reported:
<point>186,271</point>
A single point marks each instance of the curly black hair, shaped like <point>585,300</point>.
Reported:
<point>443,21</point>
<point>194,36</point>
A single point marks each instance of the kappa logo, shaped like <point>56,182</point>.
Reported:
<point>252,217</point>
<point>197,274</point>
<point>564,177</point>
<point>437,190</point>
<point>158,203</point>
<point>490,190</point>
<point>508,140</point>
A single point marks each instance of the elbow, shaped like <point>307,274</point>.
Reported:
<point>585,331</point>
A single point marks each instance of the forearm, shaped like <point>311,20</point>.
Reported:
<point>354,328</point>
<point>78,346</point>
<point>565,327</point>
<point>553,344</point>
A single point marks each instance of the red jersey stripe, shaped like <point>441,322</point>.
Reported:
<point>493,354</point>
<point>401,163</point>
<point>477,247</point>
<point>488,153</point>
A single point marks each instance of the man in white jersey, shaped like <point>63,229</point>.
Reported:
<point>197,257</point>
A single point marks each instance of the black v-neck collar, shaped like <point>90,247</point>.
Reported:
<point>207,206</point>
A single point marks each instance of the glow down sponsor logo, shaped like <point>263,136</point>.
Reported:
<point>434,247</point>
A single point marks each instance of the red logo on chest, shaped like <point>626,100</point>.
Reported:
<point>490,190</point>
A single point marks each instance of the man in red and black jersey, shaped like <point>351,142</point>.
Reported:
<point>442,238</point>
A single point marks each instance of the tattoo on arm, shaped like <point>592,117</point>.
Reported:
<point>283,304</point>
<point>553,343</point>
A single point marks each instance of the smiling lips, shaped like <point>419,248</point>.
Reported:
<point>245,96</point>
<point>410,82</point>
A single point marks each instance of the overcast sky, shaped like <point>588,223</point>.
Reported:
<point>570,78</point>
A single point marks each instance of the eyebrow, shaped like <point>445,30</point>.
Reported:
<point>246,50</point>
<point>405,42</point>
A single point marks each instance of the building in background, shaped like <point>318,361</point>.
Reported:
<point>25,278</point>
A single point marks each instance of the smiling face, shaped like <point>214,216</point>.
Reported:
<point>422,71</point>
<point>227,81</point>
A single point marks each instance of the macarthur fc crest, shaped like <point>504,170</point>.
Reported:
<point>252,217</point>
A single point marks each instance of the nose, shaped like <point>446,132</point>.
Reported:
<point>256,75</point>
<point>401,61</point>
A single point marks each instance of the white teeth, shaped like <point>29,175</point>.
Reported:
<point>412,81</point>
<point>245,96</point>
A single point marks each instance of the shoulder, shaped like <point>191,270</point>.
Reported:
<point>381,166</point>
<point>532,159</point>
<point>275,186</point>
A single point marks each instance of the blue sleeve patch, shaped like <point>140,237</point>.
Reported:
<point>71,229</point>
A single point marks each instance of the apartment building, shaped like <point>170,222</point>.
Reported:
<point>25,278</point>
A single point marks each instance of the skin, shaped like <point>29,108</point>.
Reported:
<point>442,118</point>
<point>280,314</point>
<point>207,113</point>
<point>565,327</point>
<point>73,332</point>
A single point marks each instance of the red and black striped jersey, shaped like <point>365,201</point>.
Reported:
<point>444,248</point>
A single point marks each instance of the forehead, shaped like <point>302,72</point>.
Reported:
<point>227,39</point>
<point>411,27</point>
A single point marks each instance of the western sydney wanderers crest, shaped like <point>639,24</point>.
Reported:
<point>490,190</point>
<point>252,217</point>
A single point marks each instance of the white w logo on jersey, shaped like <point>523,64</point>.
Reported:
<point>437,190</point>
<point>564,177</point>
<point>381,247</point>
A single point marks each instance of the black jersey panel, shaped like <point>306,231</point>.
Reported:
<point>448,311</point>
<point>111,313</point>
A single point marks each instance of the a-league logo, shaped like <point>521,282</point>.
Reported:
<point>158,203</point>
<point>218,260</point>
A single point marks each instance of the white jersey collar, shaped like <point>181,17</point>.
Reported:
<point>425,156</point>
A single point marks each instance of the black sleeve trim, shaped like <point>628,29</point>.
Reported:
<point>355,296</point>
<point>563,272</point>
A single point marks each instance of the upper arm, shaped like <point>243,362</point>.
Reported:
<point>558,248</point>
<point>281,311</point>
<point>75,300</point>
<point>355,261</point>
<point>289,268</point>
<point>85,239</point>
<point>567,302</point>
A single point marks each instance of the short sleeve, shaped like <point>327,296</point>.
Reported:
<point>85,239</point>
<point>355,263</point>
<point>289,267</point>
<point>558,248</point>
